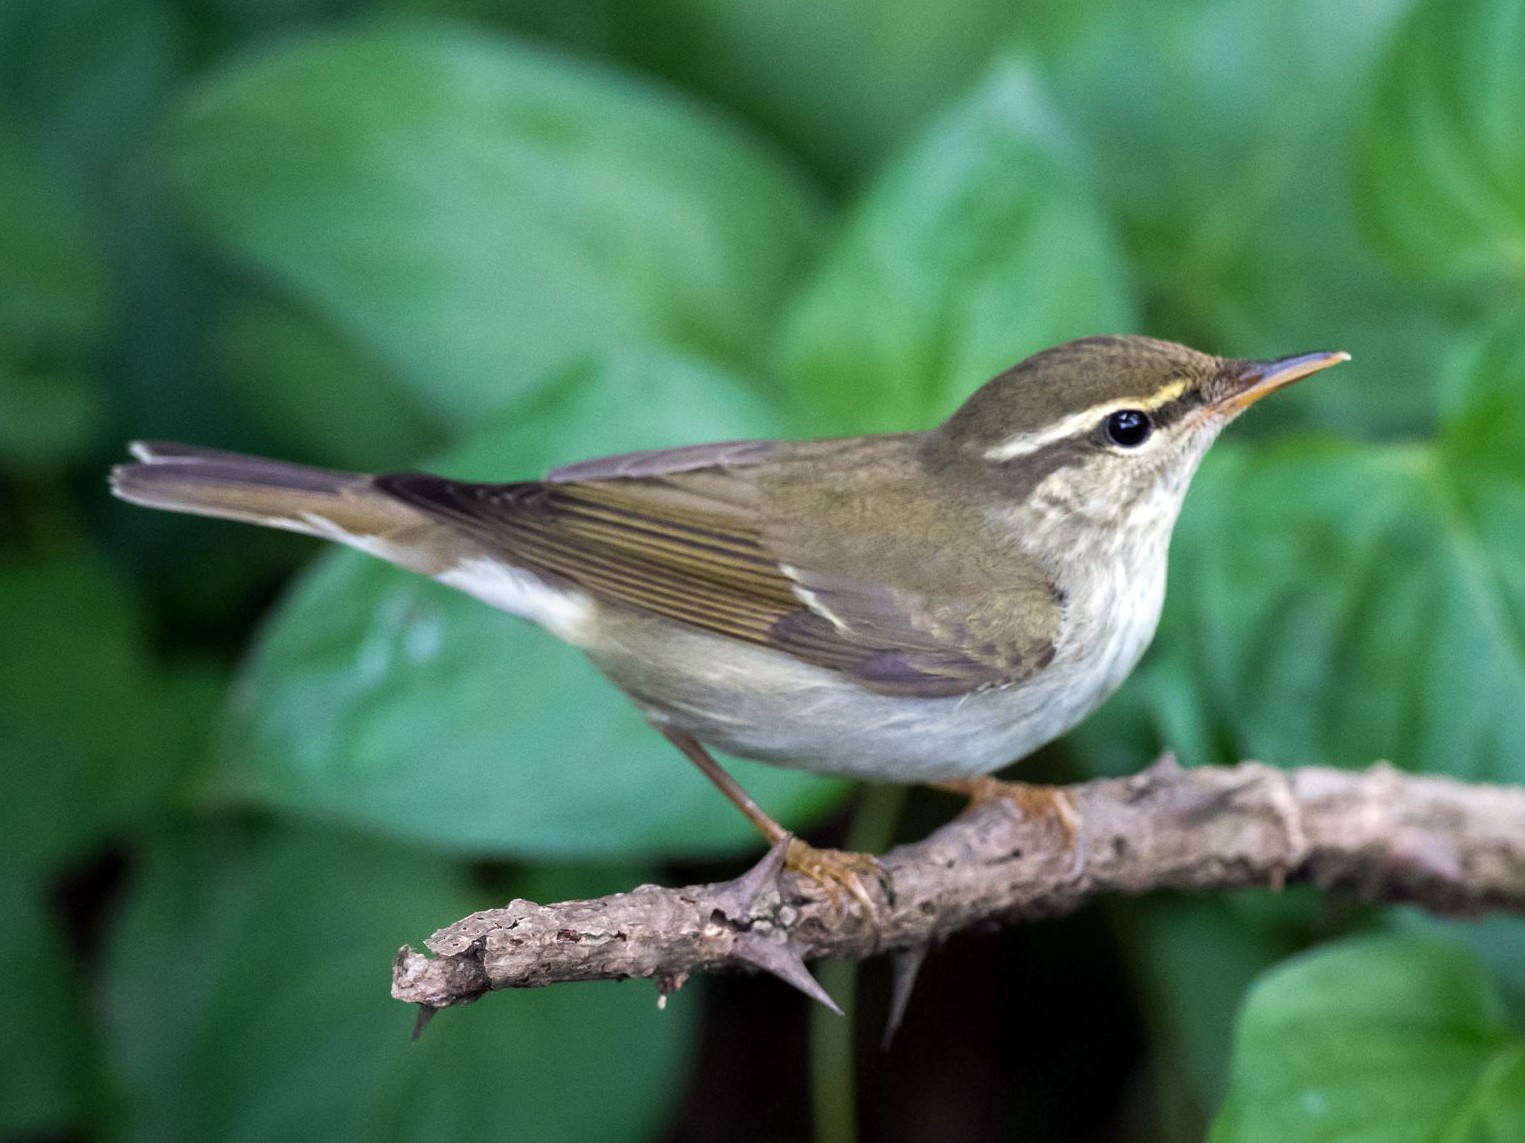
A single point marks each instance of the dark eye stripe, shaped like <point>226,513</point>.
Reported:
<point>1172,411</point>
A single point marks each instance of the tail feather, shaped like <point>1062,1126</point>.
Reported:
<point>277,472</point>
<point>354,509</point>
<point>343,506</point>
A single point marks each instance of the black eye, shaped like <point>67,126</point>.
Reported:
<point>1128,428</point>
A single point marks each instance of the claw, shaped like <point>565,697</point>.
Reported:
<point>1040,803</point>
<point>837,872</point>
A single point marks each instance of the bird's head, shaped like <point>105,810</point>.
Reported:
<point>1106,425</point>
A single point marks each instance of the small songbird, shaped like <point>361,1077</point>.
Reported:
<point>910,607</point>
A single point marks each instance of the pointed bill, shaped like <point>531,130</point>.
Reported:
<point>1259,379</point>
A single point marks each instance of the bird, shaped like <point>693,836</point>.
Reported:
<point>912,607</point>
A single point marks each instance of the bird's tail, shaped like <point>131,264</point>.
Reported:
<point>343,506</point>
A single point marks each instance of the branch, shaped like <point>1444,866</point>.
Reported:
<point>1382,835</point>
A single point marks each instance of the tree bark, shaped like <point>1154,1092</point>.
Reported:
<point>1379,834</point>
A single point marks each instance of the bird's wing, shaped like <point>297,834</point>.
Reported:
<point>696,538</point>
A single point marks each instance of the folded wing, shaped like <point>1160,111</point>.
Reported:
<point>695,536</point>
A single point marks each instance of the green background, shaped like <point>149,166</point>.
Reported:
<point>491,236</point>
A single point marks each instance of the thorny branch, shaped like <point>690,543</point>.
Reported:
<point>1382,835</point>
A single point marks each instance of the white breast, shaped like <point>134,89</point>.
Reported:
<point>1114,583</point>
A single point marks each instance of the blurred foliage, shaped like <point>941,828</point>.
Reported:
<point>982,238</point>
<point>497,235</point>
<point>1445,108</point>
<point>218,913</point>
<point>572,192</point>
<point>1382,1038</point>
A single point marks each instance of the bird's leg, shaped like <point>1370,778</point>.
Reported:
<point>834,870</point>
<point>1042,803</point>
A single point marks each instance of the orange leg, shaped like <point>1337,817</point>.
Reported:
<point>834,870</point>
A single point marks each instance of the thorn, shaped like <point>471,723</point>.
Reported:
<point>756,892</point>
<point>778,958</point>
<point>904,965</point>
<point>667,983</point>
<point>425,1014</point>
<point>1166,763</point>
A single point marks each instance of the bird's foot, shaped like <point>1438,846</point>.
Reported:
<point>835,870</point>
<point>1038,803</point>
<point>1043,803</point>
<point>838,872</point>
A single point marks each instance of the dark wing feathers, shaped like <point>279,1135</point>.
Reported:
<point>691,543</point>
<point>676,564</point>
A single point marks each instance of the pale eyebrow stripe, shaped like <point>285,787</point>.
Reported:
<point>1025,443</point>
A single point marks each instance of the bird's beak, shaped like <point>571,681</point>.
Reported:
<point>1248,382</point>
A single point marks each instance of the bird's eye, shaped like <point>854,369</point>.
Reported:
<point>1127,428</point>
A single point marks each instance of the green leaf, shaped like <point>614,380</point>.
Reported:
<point>378,697</point>
<point>305,384</point>
<point>47,420</point>
<point>981,246</point>
<point>474,212</point>
<point>1195,957</point>
<point>81,79</point>
<point>1219,132</point>
<point>1497,940</point>
<point>230,24</point>
<point>1200,114</point>
<point>54,305</point>
<point>1481,397</point>
<point>54,278</point>
<point>53,311</point>
<point>42,1086</point>
<point>94,734</point>
<point>1440,161</point>
<point>1384,1038</point>
<point>845,83</point>
<point>247,996</point>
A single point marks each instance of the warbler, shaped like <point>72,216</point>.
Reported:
<point>907,607</point>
